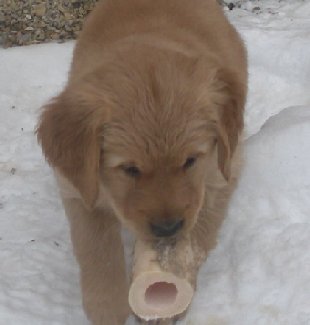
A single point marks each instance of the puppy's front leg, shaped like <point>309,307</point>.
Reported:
<point>98,248</point>
<point>205,233</point>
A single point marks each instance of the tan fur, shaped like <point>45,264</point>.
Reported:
<point>152,83</point>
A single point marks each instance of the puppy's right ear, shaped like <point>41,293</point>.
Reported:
<point>232,97</point>
<point>70,133</point>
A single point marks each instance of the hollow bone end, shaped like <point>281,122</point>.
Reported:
<point>156,295</point>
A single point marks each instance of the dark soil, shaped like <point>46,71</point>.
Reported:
<point>24,22</point>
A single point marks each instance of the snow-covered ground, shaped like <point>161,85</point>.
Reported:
<point>259,274</point>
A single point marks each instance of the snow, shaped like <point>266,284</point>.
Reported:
<point>278,41</point>
<point>260,271</point>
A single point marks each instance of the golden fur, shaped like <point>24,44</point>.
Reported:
<point>152,84</point>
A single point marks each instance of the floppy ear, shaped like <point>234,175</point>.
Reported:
<point>69,132</point>
<point>230,124</point>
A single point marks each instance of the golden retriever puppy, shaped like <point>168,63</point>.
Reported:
<point>146,135</point>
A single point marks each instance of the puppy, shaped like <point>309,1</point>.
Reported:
<point>146,135</point>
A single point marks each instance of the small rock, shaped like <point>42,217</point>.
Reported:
<point>231,6</point>
<point>68,15</point>
<point>23,38</point>
<point>39,10</point>
<point>76,4</point>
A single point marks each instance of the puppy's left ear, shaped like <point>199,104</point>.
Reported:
<point>231,100</point>
<point>70,133</point>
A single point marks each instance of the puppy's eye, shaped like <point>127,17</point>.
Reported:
<point>190,161</point>
<point>132,171</point>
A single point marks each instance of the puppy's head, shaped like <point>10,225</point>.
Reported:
<point>150,132</point>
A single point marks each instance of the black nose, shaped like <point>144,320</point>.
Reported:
<point>167,228</point>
